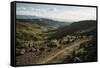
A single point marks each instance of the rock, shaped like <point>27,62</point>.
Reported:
<point>33,49</point>
<point>22,51</point>
<point>76,59</point>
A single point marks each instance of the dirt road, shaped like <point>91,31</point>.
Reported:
<point>61,55</point>
<point>55,56</point>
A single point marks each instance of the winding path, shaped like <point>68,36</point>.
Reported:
<point>55,56</point>
<point>58,57</point>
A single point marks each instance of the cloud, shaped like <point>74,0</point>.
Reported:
<point>65,13</point>
<point>21,8</point>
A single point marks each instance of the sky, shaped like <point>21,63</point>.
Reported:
<point>57,12</point>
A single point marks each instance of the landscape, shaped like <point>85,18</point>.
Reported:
<point>54,39</point>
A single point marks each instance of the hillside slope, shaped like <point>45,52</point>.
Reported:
<point>75,27</point>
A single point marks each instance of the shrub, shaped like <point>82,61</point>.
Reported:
<point>53,43</point>
<point>19,43</point>
<point>79,52</point>
<point>66,39</point>
<point>39,42</point>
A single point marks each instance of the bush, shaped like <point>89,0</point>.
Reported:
<point>79,52</point>
<point>19,43</point>
<point>53,43</point>
<point>67,39</point>
<point>39,42</point>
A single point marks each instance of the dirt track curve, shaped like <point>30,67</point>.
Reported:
<point>55,56</point>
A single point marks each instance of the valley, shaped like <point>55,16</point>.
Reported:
<point>44,41</point>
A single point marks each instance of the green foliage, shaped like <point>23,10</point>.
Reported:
<point>23,43</point>
<point>19,43</point>
<point>53,43</point>
<point>79,52</point>
<point>65,40</point>
<point>39,42</point>
<point>68,39</point>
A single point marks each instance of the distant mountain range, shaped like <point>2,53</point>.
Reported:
<point>41,21</point>
<point>26,17</point>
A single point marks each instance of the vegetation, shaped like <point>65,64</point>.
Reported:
<point>86,53</point>
<point>53,43</point>
<point>38,39</point>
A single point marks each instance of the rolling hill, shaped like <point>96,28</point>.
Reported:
<point>75,27</point>
<point>51,24</point>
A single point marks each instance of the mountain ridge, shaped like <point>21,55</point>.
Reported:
<point>41,21</point>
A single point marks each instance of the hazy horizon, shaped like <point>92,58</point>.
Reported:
<point>57,12</point>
